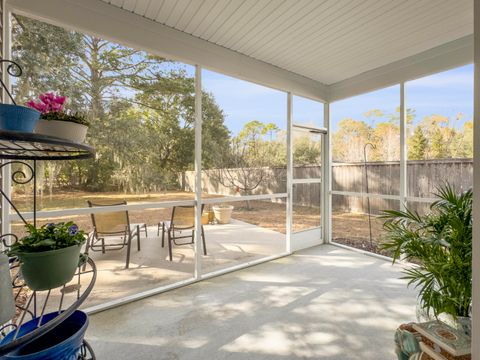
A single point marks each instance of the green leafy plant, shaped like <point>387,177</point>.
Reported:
<point>48,237</point>
<point>69,117</point>
<point>440,243</point>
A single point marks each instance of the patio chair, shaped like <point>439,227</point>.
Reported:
<point>113,231</point>
<point>182,220</point>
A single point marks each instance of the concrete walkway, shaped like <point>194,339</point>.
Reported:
<point>321,303</point>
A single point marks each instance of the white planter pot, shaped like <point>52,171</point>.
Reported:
<point>223,213</point>
<point>62,129</point>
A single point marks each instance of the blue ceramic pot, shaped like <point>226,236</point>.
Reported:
<point>18,118</point>
<point>63,342</point>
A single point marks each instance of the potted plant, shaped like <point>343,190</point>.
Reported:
<point>49,255</point>
<point>63,342</point>
<point>18,118</point>
<point>223,213</point>
<point>440,246</point>
<point>56,121</point>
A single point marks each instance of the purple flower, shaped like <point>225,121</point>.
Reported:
<point>50,225</point>
<point>73,230</point>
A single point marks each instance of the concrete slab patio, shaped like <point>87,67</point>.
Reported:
<point>321,303</point>
<point>227,245</point>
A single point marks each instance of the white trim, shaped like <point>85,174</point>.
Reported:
<point>381,196</point>
<point>476,193</point>
<point>362,194</point>
<point>306,238</point>
<point>110,22</point>
<point>228,199</point>
<point>198,171</point>
<point>307,181</point>
<point>144,294</point>
<point>312,129</point>
<point>289,219</point>
<point>141,206</point>
<point>102,209</point>
<point>420,199</point>
<point>444,57</point>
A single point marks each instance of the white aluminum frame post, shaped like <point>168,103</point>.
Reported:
<point>6,173</point>
<point>476,193</point>
<point>289,225</point>
<point>403,148</point>
<point>198,171</point>
<point>326,178</point>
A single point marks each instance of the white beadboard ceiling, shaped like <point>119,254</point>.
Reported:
<point>325,40</point>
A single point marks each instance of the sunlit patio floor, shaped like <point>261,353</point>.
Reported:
<point>227,245</point>
<point>321,303</point>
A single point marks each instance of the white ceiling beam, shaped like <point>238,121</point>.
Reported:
<point>101,19</point>
<point>447,56</point>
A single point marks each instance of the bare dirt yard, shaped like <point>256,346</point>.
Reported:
<point>348,228</point>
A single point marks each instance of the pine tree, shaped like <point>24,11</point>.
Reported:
<point>417,145</point>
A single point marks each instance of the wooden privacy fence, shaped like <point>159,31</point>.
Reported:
<point>423,176</point>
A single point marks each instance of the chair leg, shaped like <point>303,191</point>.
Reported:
<point>129,244</point>
<point>169,245</point>
<point>158,229</point>
<point>203,240</point>
<point>138,237</point>
<point>103,246</point>
<point>163,234</point>
<point>87,248</point>
<point>145,228</point>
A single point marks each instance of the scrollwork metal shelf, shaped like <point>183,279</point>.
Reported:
<point>64,300</point>
<point>28,146</point>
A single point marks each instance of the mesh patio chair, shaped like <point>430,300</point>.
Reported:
<point>180,226</point>
<point>113,231</point>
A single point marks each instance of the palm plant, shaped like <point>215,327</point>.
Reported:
<point>440,243</point>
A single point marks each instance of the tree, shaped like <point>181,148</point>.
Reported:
<point>141,107</point>
<point>349,140</point>
<point>248,163</point>
<point>306,151</point>
<point>417,145</point>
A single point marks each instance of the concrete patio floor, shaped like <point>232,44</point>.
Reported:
<point>227,245</point>
<point>321,303</point>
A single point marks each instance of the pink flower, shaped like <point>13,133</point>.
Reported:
<point>49,102</point>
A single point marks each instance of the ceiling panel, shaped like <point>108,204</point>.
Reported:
<point>325,40</point>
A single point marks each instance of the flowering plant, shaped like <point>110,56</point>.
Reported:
<point>48,237</point>
<point>52,107</point>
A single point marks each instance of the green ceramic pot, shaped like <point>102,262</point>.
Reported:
<point>49,269</point>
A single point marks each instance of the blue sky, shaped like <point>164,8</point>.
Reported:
<point>446,93</point>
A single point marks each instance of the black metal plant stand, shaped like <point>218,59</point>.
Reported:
<point>17,148</point>
<point>23,150</point>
